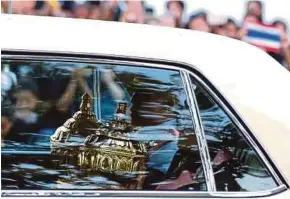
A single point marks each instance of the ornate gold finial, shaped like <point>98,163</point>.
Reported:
<point>86,106</point>
<point>82,123</point>
<point>85,112</point>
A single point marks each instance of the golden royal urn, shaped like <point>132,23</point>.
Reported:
<point>99,149</point>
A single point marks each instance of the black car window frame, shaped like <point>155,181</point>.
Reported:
<point>188,71</point>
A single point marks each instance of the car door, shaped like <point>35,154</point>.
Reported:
<point>68,122</point>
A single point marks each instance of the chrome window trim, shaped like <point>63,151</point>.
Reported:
<point>245,133</point>
<point>137,193</point>
<point>155,63</point>
<point>201,140</point>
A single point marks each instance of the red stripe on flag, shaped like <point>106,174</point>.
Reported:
<point>266,25</point>
<point>266,48</point>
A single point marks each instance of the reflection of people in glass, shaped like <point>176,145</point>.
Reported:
<point>152,112</point>
<point>8,81</point>
<point>23,116</point>
<point>26,101</point>
<point>30,101</point>
<point>111,93</point>
<point>170,165</point>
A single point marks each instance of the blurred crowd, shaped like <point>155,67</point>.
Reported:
<point>141,12</point>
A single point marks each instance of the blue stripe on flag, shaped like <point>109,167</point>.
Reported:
<point>263,35</point>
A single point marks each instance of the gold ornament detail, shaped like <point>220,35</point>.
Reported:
<point>99,148</point>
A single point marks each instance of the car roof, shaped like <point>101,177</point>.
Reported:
<point>254,83</point>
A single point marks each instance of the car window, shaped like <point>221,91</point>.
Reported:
<point>67,125</point>
<point>236,165</point>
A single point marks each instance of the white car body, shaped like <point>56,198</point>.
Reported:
<point>251,81</point>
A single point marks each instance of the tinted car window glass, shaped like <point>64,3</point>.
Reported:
<point>77,126</point>
<point>236,165</point>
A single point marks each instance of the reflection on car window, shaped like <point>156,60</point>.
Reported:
<point>77,126</point>
<point>236,165</point>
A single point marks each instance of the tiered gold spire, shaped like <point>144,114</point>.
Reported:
<point>105,148</point>
<point>85,112</point>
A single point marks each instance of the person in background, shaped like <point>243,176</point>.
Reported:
<point>284,56</point>
<point>129,17</point>
<point>249,18</point>
<point>107,10</point>
<point>23,7</point>
<point>256,8</point>
<point>81,11</point>
<point>217,24</point>
<point>168,20</point>
<point>198,22</point>
<point>231,29</point>
<point>48,8</point>
<point>136,7</point>
<point>41,8</point>
<point>67,8</point>
<point>55,8</point>
<point>112,10</point>
<point>176,8</point>
<point>3,6</point>
<point>116,9</point>
<point>150,20</point>
<point>95,10</point>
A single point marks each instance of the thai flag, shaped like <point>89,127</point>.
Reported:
<point>267,37</point>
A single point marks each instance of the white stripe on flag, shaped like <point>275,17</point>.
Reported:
<point>260,28</point>
<point>262,42</point>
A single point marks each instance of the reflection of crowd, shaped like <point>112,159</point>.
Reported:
<point>140,12</point>
<point>26,108</point>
